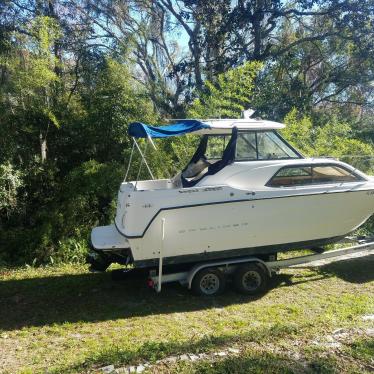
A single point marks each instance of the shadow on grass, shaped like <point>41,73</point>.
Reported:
<point>354,270</point>
<point>91,297</point>
<point>95,297</point>
<point>363,349</point>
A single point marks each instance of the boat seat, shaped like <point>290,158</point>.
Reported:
<point>195,168</point>
<point>192,172</point>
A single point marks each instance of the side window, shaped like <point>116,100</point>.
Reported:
<point>307,175</point>
<point>216,146</point>
<point>292,176</point>
<point>271,147</point>
<point>329,173</point>
<point>246,148</point>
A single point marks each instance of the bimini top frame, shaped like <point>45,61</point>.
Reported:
<point>194,126</point>
<point>200,127</point>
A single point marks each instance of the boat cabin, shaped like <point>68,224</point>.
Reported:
<point>223,142</point>
<point>217,151</point>
<point>243,153</point>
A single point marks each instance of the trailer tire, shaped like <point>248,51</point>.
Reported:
<point>208,282</point>
<point>251,279</point>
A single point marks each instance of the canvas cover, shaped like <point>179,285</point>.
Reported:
<point>141,130</point>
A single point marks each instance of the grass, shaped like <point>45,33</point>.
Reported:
<point>66,320</point>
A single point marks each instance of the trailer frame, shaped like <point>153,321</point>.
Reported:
<point>229,266</point>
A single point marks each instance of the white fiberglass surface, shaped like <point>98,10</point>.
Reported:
<point>157,184</point>
<point>140,207</point>
<point>256,223</point>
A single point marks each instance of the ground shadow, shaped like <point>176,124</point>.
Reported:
<point>92,297</point>
<point>353,270</point>
<point>96,297</point>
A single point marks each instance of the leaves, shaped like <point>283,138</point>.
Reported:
<point>228,96</point>
<point>332,139</point>
<point>10,182</point>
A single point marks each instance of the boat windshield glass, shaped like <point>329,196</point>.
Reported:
<point>263,145</point>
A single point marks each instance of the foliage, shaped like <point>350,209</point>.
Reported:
<point>61,227</point>
<point>228,95</point>
<point>114,101</point>
<point>10,182</point>
<point>332,139</point>
<point>31,93</point>
<point>329,76</point>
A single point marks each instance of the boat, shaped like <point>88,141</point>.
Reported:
<point>246,191</point>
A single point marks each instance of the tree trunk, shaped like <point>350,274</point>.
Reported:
<point>43,147</point>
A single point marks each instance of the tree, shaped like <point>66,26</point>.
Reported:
<point>231,33</point>
<point>30,87</point>
<point>228,95</point>
<point>114,100</point>
<point>322,76</point>
<point>142,32</point>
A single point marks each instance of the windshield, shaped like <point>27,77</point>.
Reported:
<point>263,145</point>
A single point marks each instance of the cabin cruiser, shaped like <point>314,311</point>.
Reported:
<point>245,191</point>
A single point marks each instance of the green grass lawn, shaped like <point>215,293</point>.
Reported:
<point>67,320</point>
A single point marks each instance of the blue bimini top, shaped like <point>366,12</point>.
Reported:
<point>141,130</point>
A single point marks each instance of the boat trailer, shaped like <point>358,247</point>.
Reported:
<point>250,274</point>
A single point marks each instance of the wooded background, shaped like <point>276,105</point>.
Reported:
<point>74,74</point>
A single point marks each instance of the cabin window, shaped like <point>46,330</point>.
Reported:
<point>326,174</point>
<point>307,175</point>
<point>262,145</point>
<point>292,176</point>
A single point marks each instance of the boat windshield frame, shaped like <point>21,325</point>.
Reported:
<point>280,137</point>
<point>298,155</point>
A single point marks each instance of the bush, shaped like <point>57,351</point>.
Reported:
<point>59,231</point>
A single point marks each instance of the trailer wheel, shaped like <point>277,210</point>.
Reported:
<point>251,279</point>
<point>208,282</point>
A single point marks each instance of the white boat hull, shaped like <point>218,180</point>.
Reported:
<point>242,216</point>
<point>267,225</point>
